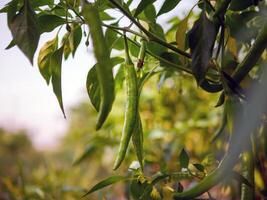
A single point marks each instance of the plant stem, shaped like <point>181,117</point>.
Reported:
<point>125,29</point>
<point>151,36</point>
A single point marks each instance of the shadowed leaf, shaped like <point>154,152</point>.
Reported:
<point>25,30</point>
<point>201,40</point>
<point>168,6</point>
<point>142,5</point>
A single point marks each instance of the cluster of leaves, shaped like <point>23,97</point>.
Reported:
<point>226,28</point>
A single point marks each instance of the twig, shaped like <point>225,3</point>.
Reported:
<point>151,36</point>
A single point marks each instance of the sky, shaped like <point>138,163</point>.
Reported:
<point>26,102</point>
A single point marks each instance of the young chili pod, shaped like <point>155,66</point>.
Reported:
<point>141,56</point>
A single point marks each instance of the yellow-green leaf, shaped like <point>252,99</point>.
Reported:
<point>180,33</point>
<point>44,58</point>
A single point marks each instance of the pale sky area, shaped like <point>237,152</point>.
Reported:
<point>26,102</point>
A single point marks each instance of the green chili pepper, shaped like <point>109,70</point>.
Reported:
<point>131,106</point>
<point>103,69</point>
<point>141,56</point>
<point>137,139</point>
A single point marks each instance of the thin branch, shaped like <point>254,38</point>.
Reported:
<point>150,35</point>
<point>125,29</point>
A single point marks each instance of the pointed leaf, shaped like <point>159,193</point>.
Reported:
<point>108,181</point>
<point>11,44</point>
<point>199,167</point>
<point>44,58</point>
<point>184,159</point>
<point>240,178</point>
<point>201,40</point>
<point>93,89</point>
<point>168,6</point>
<point>105,16</point>
<point>142,5</point>
<point>75,38</point>
<point>11,9</point>
<point>92,84</point>
<point>25,30</point>
<point>55,65</point>
<point>49,22</point>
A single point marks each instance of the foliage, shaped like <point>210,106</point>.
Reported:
<point>223,49</point>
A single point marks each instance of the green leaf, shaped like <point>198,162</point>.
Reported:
<point>201,41</point>
<point>199,167</point>
<point>4,9</point>
<point>154,47</point>
<point>150,13</point>
<point>140,188</point>
<point>92,84</point>
<point>181,36</point>
<point>240,178</point>
<point>55,65</point>
<point>168,6</point>
<point>93,89</point>
<point>108,181</point>
<point>184,159</point>
<point>87,153</point>
<point>48,22</point>
<point>75,38</point>
<point>11,9</point>
<point>149,187</point>
<point>38,3</point>
<point>111,37</point>
<point>25,30</point>
<point>142,5</point>
<point>105,16</point>
<point>44,58</point>
<point>11,44</point>
<point>237,5</point>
